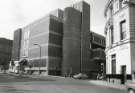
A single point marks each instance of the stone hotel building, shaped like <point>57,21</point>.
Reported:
<point>120,36</point>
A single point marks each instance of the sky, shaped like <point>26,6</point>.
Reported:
<point>19,13</point>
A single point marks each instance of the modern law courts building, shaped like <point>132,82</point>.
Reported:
<point>120,36</point>
<point>58,43</point>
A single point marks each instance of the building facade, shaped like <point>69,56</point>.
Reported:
<point>120,36</point>
<point>5,52</point>
<point>41,43</point>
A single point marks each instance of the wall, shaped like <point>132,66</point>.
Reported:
<point>122,58</point>
<point>117,18</point>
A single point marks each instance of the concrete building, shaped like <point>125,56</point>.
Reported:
<point>5,52</point>
<point>97,41</point>
<point>59,43</point>
<point>16,45</point>
<point>120,36</point>
<point>76,35</point>
<point>97,47</point>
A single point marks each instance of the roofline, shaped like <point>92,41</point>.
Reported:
<point>97,34</point>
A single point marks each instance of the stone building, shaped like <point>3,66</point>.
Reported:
<point>120,36</point>
<point>5,52</point>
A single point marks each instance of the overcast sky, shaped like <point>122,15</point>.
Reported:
<point>18,13</point>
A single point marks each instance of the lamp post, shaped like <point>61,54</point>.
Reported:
<point>39,55</point>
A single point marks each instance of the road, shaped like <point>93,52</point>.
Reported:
<point>15,84</point>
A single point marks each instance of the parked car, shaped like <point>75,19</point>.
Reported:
<point>80,76</point>
<point>131,86</point>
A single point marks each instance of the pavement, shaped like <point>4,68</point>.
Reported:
<point>108,84</point>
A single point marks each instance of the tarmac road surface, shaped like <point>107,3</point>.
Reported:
<point>16,84</point>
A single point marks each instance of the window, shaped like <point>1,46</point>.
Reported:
<point>113,61</point>
<point>122,4</point>
<point>112,35</point>
<point>122,30</point>
<point>117,5</point>
<point>26,43</point>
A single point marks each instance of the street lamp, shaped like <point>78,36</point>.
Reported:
<point>39,55</point>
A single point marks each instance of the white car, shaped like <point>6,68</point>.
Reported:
<point>80,76</point>
<point>130,87</point>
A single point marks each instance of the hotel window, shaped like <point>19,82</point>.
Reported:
<point>113,61</point>
<point>112,35</point>
<point>116,5</point>
<point>122,3</point>
<point>122,30</point>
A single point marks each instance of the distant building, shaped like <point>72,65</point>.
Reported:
<point>5,52</point>
<point>97,48</point>
<point>16,45</point>
<point>97,41</point>
<point>59,43</point>
<point>120,36</point>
